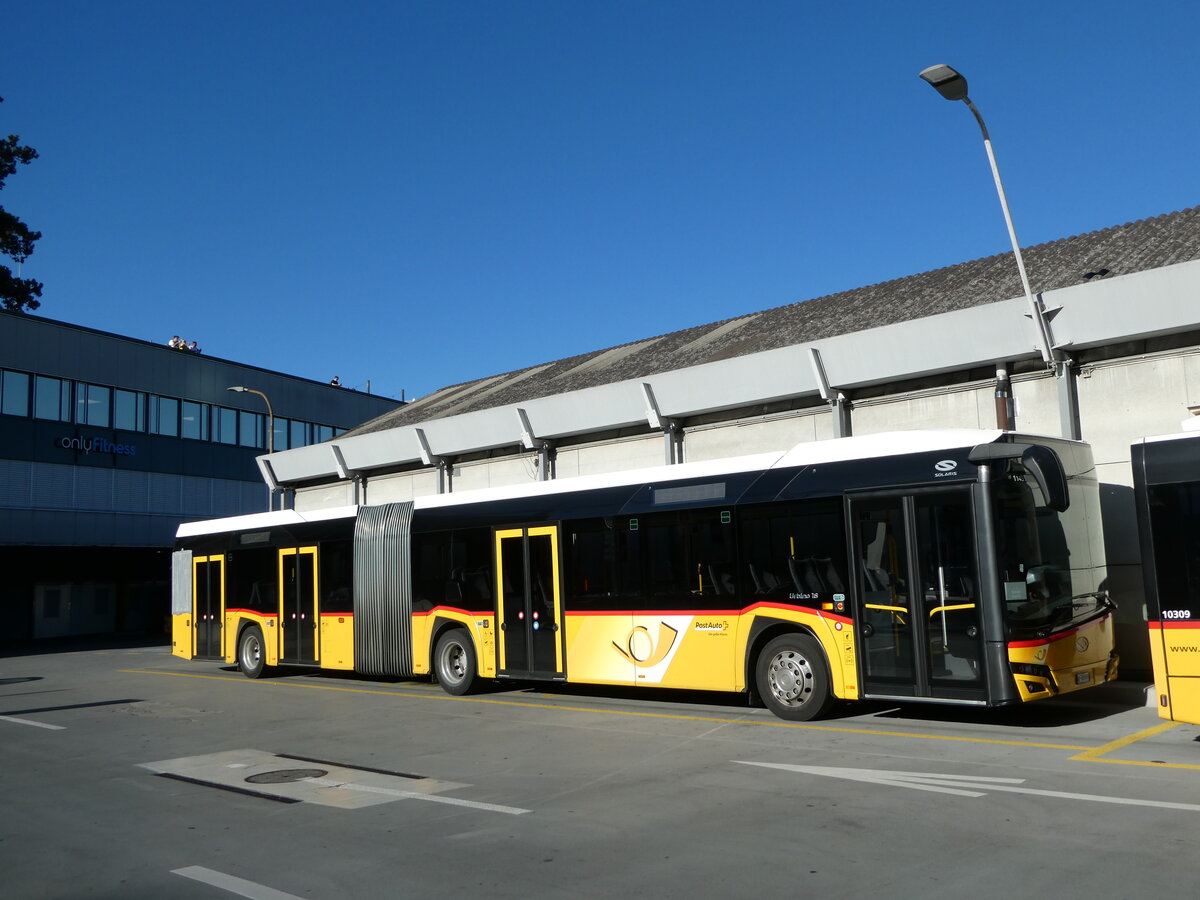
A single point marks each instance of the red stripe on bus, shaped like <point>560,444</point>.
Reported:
<point>790,607</point>
<point>1175,623</point>
<point>451,609</point>
<point>254,612</point>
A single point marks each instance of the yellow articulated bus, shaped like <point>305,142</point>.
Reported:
<point>1166,479</point>
<point>960,567</point>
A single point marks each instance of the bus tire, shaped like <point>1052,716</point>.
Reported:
<point>252,652</point>
<point>793,679</point>
<point>454,662</point>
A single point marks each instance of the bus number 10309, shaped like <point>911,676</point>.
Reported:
<point>1177,614</point>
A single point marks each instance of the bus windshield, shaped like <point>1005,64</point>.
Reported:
<point>1048,563</point>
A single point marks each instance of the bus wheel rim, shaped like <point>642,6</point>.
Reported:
<point>251,651</point>
<point>790,676</point>
<point>453,662</point>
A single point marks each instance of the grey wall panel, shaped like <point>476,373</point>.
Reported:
<point>305,462</point>
<point>53,487</point>
<point>483,430</point>
<point>196,497</point>
<point>731,383</point>
<point>93,488</point>
<point>1158,301</point>
<point>130,490</point>
<point>381,448</point>
<point>164,492</point>
<point>16,478</point>
<point>601,408</point>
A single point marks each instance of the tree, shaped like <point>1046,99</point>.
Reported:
<point>16,240</point>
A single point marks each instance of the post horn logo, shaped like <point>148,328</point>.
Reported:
<point>643,650</point>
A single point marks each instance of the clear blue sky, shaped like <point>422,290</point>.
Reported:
<point>424,193</point>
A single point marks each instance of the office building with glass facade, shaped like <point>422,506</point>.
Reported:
<point>107,443</point>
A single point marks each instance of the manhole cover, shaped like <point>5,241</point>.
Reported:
<point>283,776</point>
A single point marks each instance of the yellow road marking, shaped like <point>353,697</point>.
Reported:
<point>1094,754</point>
<point>767,723</point>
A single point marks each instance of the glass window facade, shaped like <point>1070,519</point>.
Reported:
<point>14,401</point>
<point>103,406</point>
<point>92,405</point>
<point>193,420</point>
<point>250,429</point>
<point>224,425</point>
<point>164,415</point>
<point>129,410</point>
<point>51,399</point>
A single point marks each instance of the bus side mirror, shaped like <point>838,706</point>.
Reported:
<point>1041,463</point>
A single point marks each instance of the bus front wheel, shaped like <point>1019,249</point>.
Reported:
<point>252,658</point>
<point>454,662</point>
<point>792,678</point>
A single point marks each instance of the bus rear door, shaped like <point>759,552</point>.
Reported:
<point>208,606</point>
<point>529,602</point>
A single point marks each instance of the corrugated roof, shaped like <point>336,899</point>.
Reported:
<point>1120,250</point>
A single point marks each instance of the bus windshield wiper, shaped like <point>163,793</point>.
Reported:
<point>1066,612</point>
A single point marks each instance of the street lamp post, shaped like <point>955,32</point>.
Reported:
<point>953,86</point>
<point>270,430</point>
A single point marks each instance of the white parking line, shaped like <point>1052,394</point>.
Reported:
<point>233,884</point>
<point>414,795</point>
<point>33,723</point>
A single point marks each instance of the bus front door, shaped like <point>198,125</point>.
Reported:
<point>916,604</point>
<point>529,602</point>
<point>298,604</point>
<point>208,606</point>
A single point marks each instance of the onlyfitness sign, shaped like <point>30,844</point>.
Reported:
<point>95,445</point>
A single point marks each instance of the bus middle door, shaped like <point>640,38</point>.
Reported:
<point>298,604</point>
<point>529,610</point>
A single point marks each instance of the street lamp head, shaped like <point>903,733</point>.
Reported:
<point>946,81</point>
<point>238,388</point>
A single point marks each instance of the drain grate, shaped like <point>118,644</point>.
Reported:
<point>284,776</point>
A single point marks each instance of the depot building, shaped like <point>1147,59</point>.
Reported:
<point>1107,350</point>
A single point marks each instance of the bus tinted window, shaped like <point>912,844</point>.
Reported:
<point>794,551</point>
<point>252,578</point>
<point>1175,518</point>
<point>453,568</point>
<point>601,561</point>
<point>1046,563</point>
<point>690,560</point>
<point>337,577</point>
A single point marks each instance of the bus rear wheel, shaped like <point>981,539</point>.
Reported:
<point>792,678</point>
<point>454,662</point>
<point>252,657</point>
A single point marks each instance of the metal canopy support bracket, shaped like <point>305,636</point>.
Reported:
<point>672,433</point>
<point>839,405</point>
<point>530,441</point>
<point>268,474</point>
<point>444,483</point>
<point>1062,365</point>
<point>357,479</point>
<point>1065,377</point>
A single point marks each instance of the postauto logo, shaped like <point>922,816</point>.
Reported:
<point>95,445</point>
